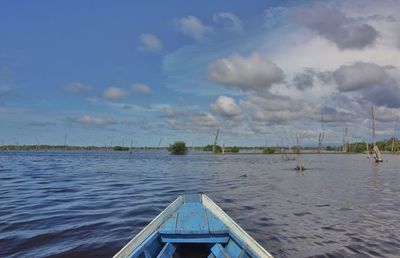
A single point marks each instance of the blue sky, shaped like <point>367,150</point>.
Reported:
<point>149,70</point>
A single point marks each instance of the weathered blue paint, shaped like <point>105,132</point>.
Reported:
<point>233,249</point>
<point>167,251</point>
<point>215,225</point>
<point>193,219</point>
<point>219,252</point>
<point>154,247</point>
<point>204,238</point>
<point>147,254</point>
<point>230,250</point>
<point>169,227</point>
<point>141,249</point>
<point>193,198</point>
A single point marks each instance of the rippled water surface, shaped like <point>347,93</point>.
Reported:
<point>89,204</point>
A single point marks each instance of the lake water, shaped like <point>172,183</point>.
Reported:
<point>90,204</point>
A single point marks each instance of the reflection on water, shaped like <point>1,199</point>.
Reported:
<point>89,204</point>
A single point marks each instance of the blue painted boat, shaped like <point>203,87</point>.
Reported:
<point>192,226</point>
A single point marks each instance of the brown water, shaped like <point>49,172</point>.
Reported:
<point>89,204</point>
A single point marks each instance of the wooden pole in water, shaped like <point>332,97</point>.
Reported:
<point>215,140</point>
<point>394,135</point>
<point>373,126</point>
<point>37,143</point>
<point>345,140</point>
<point>321,135</point>
<point>65,141</point>
<point>376,152</point>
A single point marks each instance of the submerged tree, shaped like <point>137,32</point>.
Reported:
<point>214,148</point>
<point>178,148</point>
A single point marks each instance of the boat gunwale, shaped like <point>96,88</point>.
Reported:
<point>238,232</point>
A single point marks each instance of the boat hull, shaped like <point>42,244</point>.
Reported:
<point>193,226</point>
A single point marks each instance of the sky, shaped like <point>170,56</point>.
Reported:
<point>153,72</point>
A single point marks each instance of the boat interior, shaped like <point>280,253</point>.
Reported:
<point>192,231</point>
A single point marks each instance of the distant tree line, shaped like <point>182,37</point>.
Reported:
<point>385,145</point>
<point>355,147</point>
<point>218,148</point>
<point>62,147</point>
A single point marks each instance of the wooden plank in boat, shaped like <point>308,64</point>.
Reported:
<point>193,198</point>
<point>233,249</point>
<point>219,252</point>
<point>205,238</point>
<point>192,219</point>
<point>215,224</point>
<point>169,227</point>
<point>167,251</point>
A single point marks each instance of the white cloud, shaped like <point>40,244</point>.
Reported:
<point>333,25</point>
<point>387,115</point>
<point>247,73</point>
<point>359,75</point>
<point>149,43</point>
<point>77,87</point>
<point>369,81</point>
<point>275,15</point>
<point>189,119</point>
<point>175,124</point>
<point>226,107</point>
<point>174,112</point>
<point>275,109</point>
<point>115,93</point>
<point>193,27</point>
<point>141,88</point>
<point>93,120</point>
<point>203,120</point>
<point>304,80</point>
<point>232,20</point>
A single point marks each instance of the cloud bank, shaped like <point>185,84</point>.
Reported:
<point>246,73</point>
<point>333,25</point>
